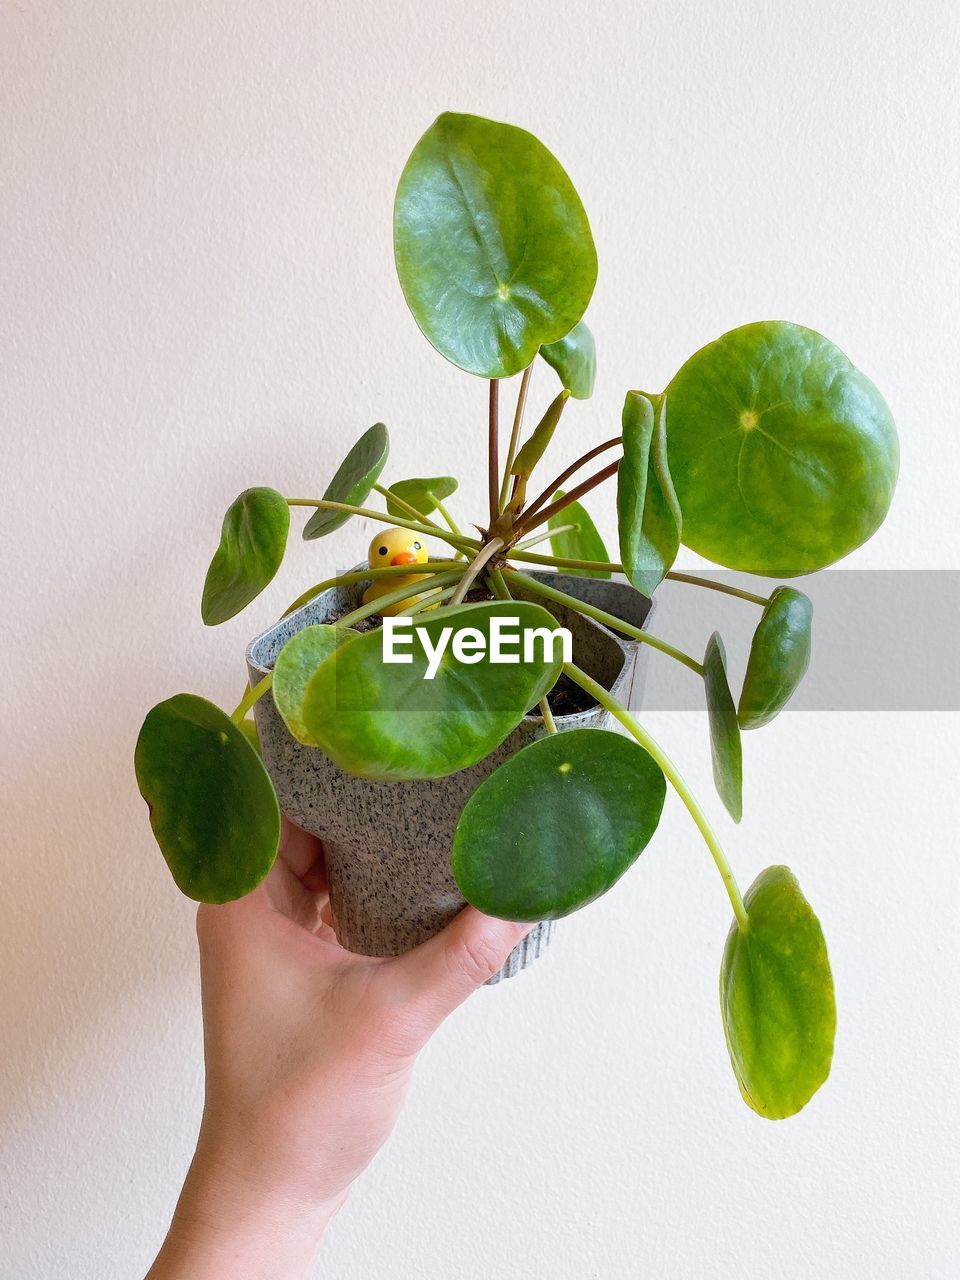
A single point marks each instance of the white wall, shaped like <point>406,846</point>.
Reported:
<point>197,294</point>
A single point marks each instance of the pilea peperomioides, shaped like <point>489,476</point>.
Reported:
<point>768,452</point>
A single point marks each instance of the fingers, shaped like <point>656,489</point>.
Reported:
<point>441,973</point>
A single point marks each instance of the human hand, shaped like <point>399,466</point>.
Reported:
<point>308,1051</point>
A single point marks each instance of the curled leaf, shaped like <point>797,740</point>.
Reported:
<point>534,448</point>
<point>725,747</point>
<point>252,542</point>
<point>779,657</point>
<point>574,358</point>
<point>355,477</point>
<point>647,509</point>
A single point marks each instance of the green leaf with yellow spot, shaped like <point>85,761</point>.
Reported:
<point>557,824</point>
<point>777,998</point>
<point>492,245</point>
<point>784,455</point>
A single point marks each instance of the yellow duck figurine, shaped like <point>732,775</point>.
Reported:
<point>392,547</point>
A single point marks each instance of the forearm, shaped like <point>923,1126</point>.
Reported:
<point>222,1227</point>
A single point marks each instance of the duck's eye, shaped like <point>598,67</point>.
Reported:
<point>416,546</point>
<point>383,551</point>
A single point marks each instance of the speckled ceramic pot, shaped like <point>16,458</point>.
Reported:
<point>388,844</point>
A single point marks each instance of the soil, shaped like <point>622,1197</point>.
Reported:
<point>565,698</point>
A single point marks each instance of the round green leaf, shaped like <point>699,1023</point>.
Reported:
<point>557,825</point>
<point>387,720</point>
<point>574,358</point>
<point>213,808</point>
<point>779,657</point>
<point>784,455</point>
<point>777,998</point>
<point>252,543</point>
<point>248,728</point>
<point>356,476</point>
<point>648,513</point>
<point>582,543</point>
<point>725,746</point>
<point>422,494</point>
<point>296,662</point>
<point>492,245</point>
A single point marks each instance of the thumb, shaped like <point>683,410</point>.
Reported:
<point>440,973</point>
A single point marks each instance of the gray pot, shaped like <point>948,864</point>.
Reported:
<point>387,844</point>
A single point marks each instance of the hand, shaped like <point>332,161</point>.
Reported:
<point>308,1051</point>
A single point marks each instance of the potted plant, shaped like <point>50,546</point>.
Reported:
<point>439,766</point>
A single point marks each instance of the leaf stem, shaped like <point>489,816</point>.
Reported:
<point>251,696</point>
<point>763,601</point>
<point>561,562</point>
<point>607,619</point>
<point>515,434</point>
<point>427,601</point>
<point>541,517</point>
<point>502,592</point>
<point>544,537</point>
<point>493,447</point>
<point>427,530</point>
<point>633,726</point>
<point>552,488</point>
<point>392,597</point>
<point>361,575</point>
<point>485,553</point>
<point>549,723</point>
<point>454,527</point>
<point>398,593</point>
<point>407,506</point>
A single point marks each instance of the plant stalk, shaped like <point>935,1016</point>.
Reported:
<point>493,448</point>
<point>607,619</point>
<point>502,592</point>
<point>429,531</point>
<point>552,488</point>
<point>515,435</point>
<point>427,601</point>
<point>563,562</point>
<point>251,696</point>
<point>546,536</point>
<point>408,507</point>
<point>392,597</point>
<point>541,517</point>
<point>633,726</point>
<point>473,568</point>
<point>361,575</point>
<point>763,601</point>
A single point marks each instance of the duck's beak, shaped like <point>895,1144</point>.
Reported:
<point>404,557</point>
